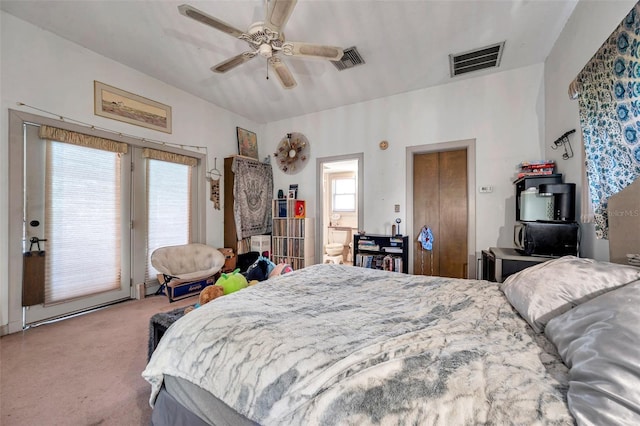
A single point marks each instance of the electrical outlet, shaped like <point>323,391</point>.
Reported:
<point>486,188</point>
<point>397,208</point>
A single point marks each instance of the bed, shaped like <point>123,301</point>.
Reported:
<point>334,344</point>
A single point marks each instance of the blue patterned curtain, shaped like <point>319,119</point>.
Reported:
<point>609,101</point>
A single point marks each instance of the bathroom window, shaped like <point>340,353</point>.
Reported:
<point>344,194</point>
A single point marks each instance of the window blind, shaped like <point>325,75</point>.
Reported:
<point>168,207</point>
<point>82,221</point>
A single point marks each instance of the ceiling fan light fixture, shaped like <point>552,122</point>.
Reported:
<point>265,39</point>
<point>265,50</point>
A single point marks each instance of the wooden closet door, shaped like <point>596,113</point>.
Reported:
<point>453,214</point>
<point>440,202</point>
<point>426,211</point>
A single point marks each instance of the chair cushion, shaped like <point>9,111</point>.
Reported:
<point>188,261</point>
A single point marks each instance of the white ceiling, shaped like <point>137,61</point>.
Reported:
<point>405,44</point>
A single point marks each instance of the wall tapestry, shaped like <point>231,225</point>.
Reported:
<point>253,193</point>
<point>609,102</point>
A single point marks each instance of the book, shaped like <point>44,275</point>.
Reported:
<point>282,208</point>
<point>540,172</point>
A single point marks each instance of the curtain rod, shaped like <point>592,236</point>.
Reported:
<point>91,126</point>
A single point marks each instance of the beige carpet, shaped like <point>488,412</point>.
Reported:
<point>81,371</point>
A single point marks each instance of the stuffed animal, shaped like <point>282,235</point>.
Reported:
<point>281,268</point>
<point>260,269</point>
<point>232,282</point>
<point>207,294</point>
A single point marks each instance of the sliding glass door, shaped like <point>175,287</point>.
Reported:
<point>76,214</point>
<point>89,207</point>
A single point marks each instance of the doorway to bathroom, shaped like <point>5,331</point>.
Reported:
<point>339,207</point>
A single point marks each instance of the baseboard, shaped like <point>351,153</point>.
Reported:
<point>12,327</point>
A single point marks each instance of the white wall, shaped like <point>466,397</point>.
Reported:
<point>52,74</point>
<point>588,27</point>
<point>506,113</point>
<point>502,112</point>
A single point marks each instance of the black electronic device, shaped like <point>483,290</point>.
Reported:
<point>564,199</point>
<point>547,238</point>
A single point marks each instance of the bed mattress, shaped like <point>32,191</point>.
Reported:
<point>333,344</point>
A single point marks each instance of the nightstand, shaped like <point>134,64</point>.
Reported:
<point>500,262</point>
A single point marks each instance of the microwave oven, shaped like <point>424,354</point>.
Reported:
<point>547,238</point>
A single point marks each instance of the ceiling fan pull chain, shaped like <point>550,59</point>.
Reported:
<point>267,62</point>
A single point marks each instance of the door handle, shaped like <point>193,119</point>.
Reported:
<point>36,241</point>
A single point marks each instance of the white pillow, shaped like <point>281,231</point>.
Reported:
<point>598,341</point>
<point>546,290</point>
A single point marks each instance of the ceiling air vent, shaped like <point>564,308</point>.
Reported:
<point>350,59</point>
<point>475,60</point>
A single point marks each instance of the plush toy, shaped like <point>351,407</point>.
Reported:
<point>281,268</point>
<point>207,294</point>
<point>260,269</point>
<point>232,282</point>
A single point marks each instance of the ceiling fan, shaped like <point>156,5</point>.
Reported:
<point>266,39</point>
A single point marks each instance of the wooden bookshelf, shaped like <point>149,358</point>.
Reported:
<point>390,253</point>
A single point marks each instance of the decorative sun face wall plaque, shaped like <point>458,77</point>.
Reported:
<point>292,153</point>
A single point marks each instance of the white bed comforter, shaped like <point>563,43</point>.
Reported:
<point>333,344</point>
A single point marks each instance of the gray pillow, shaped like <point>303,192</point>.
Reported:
<point>546,290</point>
<point>600,343</point>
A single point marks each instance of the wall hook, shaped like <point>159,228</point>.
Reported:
<point>564,141</point>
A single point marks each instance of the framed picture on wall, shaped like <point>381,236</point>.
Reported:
<point>247,143</point>
<point>117,104</point>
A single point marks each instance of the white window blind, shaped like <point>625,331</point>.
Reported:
<point>168,207</point>
<point>82,221</point>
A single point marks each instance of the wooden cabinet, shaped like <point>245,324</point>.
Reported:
<point>292,238</point>
<point>256,198</point>
<point>390,253</point>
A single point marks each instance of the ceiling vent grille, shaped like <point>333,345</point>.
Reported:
<point>350,59</point>
<point>475,60</point>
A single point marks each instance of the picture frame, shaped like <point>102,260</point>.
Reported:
<point>117,104</point>
<point>292,194</point>
<point>247,143</point>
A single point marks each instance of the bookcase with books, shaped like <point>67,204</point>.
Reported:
<point>292,239</point>
<point>386,252</point>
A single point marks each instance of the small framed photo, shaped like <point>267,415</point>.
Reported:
<point>247,143</point>
<point>292,193</point>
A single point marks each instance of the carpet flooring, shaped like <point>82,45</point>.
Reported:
<point>84,370</point>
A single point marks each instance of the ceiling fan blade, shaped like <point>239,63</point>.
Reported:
<point>308,50</point>
<point>282,72</point>
<point>278,13</point>
<point>200,16</point>
<point>231,63</point>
